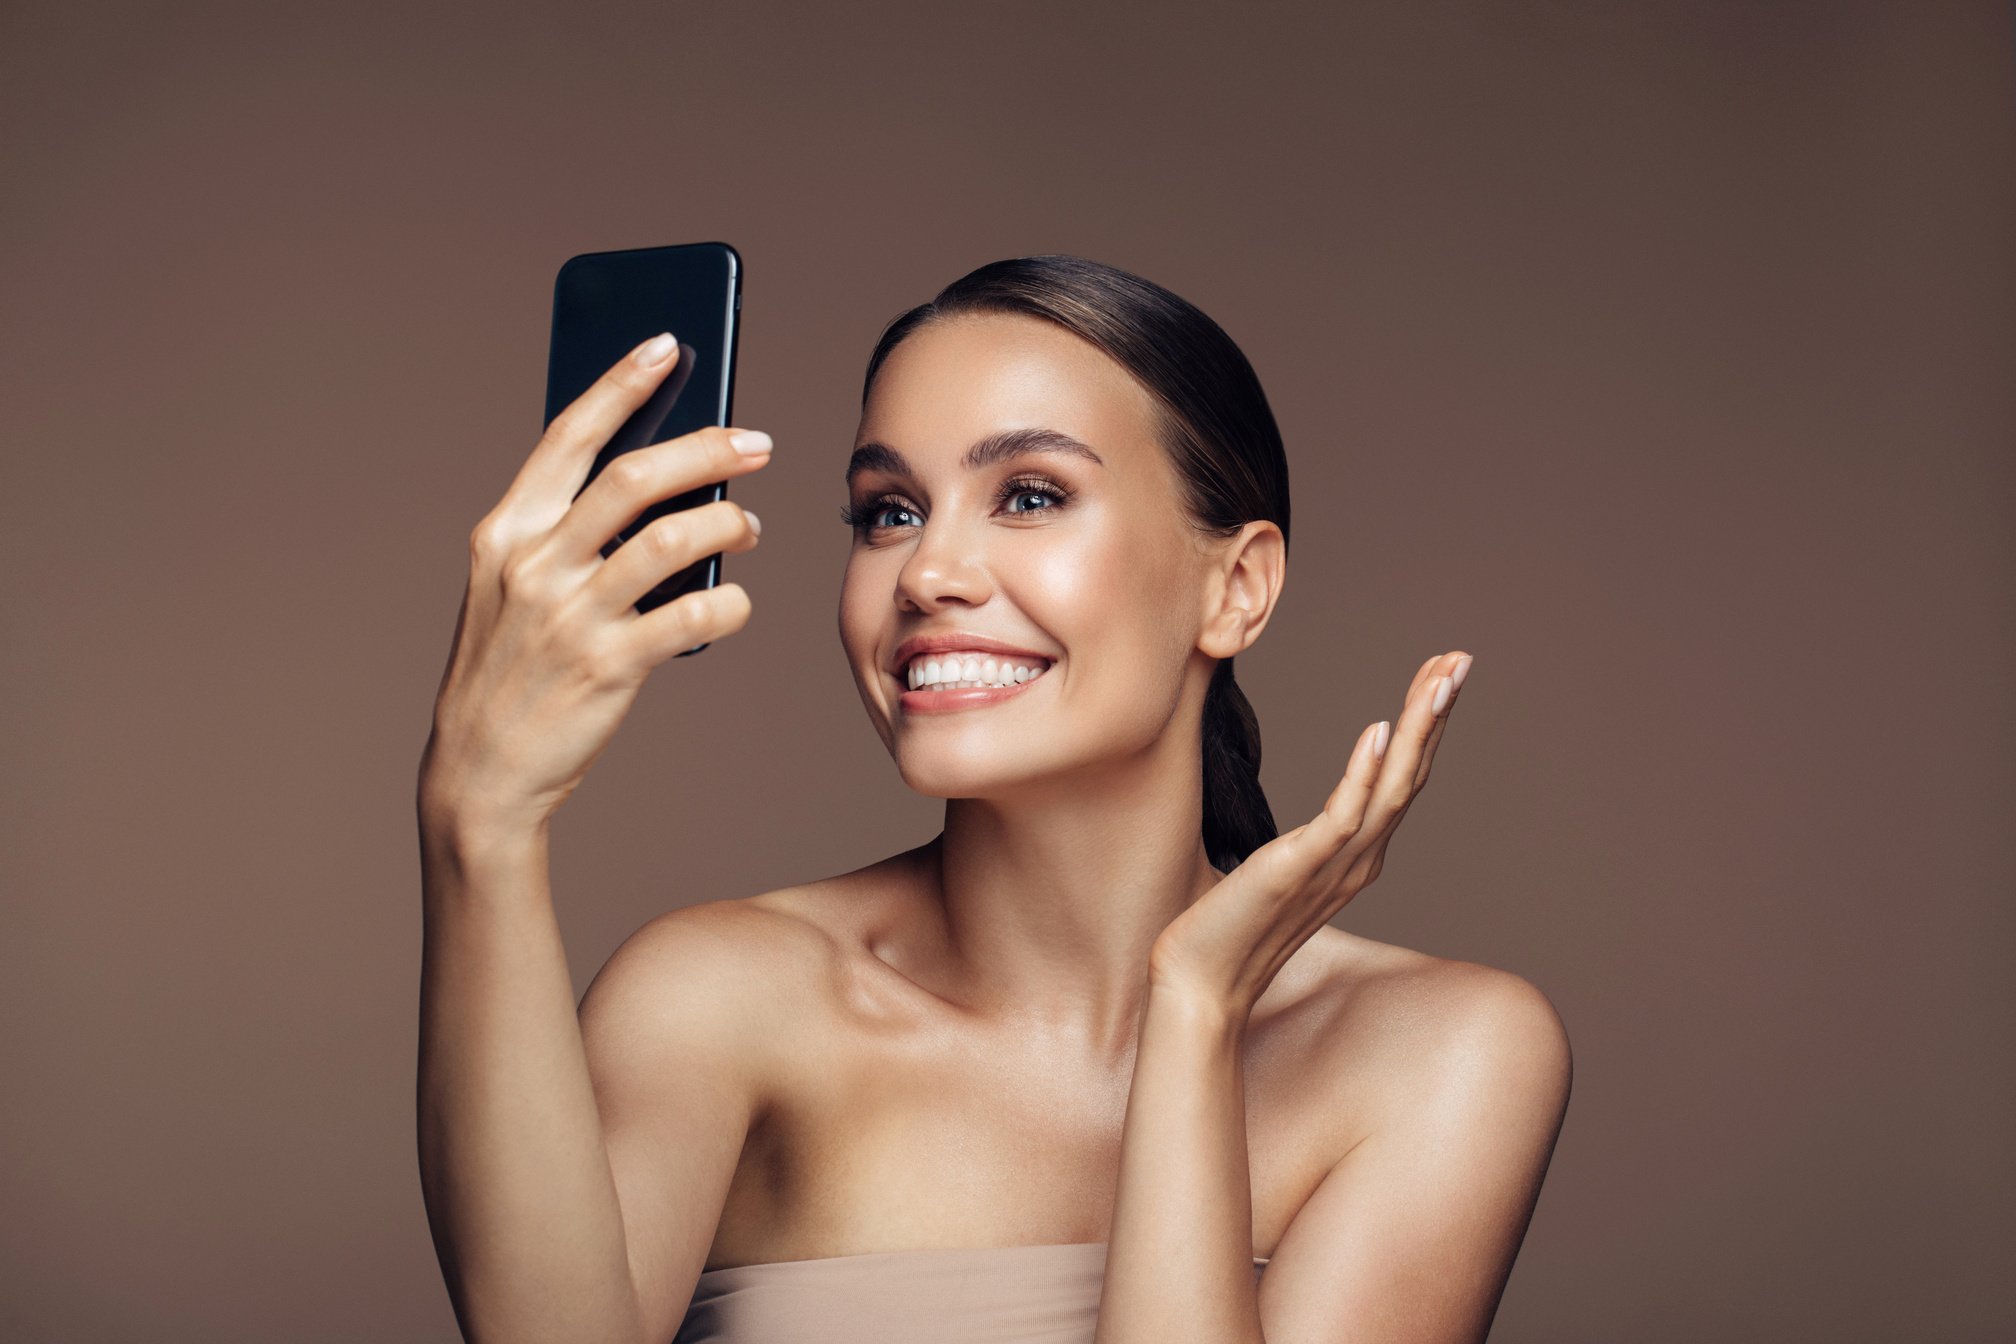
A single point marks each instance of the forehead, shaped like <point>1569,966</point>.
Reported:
<point>957,379</point>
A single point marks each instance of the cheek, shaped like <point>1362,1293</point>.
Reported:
<point>861,608</point>
<point>1107,593</point>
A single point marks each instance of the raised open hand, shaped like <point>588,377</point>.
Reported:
<point>1232,941</point>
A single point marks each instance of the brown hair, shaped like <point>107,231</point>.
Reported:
<point>1219,431</point>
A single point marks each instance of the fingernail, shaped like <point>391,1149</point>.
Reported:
<point>755,523</point>
<point>1380,738</point>
<point>1441,700</point>
<point>654,351</point>
<point>1462,670</point>
<point>750,442</point>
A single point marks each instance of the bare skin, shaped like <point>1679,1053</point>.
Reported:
<point>967,1088</point>
<point>900,1121</point>
<point>938,1050</point>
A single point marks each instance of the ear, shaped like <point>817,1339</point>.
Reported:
<point>1244,584</point>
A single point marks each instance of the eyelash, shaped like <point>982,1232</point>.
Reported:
<point>861,517</point>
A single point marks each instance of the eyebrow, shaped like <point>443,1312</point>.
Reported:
<point>998,447</point>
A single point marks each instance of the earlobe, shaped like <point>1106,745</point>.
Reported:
<point>1225,633</point>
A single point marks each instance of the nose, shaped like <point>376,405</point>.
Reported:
<point>943,567</point>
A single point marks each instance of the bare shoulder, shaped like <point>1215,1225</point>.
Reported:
<point>723,980</point>
<point>756,956</point>
<point>1417,1025</point>
<point>1422,995</point>
<point>715,947</point>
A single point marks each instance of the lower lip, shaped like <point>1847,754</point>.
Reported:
<point>967,697</point>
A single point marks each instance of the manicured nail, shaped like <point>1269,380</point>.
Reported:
<point>1462,670</point>
<point>1441,700</point>
<point>1380,737</point>
<point>755,523</point>
<point>654,351</point>
<point>750,442</point>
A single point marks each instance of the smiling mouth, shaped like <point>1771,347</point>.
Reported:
<point>966,671</point>
<point>939,684</point>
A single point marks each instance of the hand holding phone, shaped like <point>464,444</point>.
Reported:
<point>551,648</point>
<point>606,303</point>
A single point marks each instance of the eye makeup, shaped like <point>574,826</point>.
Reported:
<point>861,517</point>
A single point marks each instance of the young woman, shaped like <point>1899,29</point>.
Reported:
<point>1076,1068</point>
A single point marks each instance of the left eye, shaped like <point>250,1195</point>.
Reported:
<point>1044,495</point>
<point>1031,487</point>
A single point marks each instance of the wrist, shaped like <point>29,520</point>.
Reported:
<point>1198,1010</point>
<point>466,829</point>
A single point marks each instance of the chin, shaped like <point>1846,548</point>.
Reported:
<point>939,772</point>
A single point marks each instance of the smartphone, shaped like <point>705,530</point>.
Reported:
<point>607,303</point>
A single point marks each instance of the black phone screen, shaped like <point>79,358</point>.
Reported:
<point>607,303</point>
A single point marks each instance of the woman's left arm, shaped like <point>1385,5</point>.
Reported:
<point>1179,1260</point>
<point>1411,1236</point>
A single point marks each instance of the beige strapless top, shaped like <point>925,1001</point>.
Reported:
<point>983,1295</point>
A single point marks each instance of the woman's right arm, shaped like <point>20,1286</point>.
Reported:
<point>520,1167</point>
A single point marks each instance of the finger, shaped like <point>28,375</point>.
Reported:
<point>666,546</point>
<point>1366,803</point>
<point>1337,829</point>
<point>1345,807</point>
<point>1457,669</point>
<point>1400,783</point>
<point>636,481</point>
<point>1395,784</point>
<point>1317,841</point>
<point>1344,813</point>
<point>561,460</point>
<point>1422,674</point>
<point>1442,664</point>
<point>687,621</point>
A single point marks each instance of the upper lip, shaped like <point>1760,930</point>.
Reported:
<point>917,644</point>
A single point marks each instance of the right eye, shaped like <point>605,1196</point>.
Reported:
<point>862,517</point>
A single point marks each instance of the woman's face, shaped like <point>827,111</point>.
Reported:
<point>1091,565</point>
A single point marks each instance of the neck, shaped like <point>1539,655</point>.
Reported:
<point>1050,899</point>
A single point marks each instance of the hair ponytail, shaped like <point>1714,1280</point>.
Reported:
<point>1213,420</point>
<point>1237,820</point>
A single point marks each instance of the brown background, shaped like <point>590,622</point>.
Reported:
<point>1658,354</point>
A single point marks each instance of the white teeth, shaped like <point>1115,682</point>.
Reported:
<point>954,671</point>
